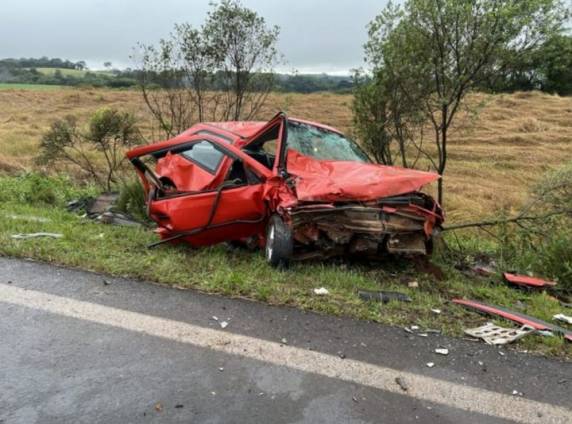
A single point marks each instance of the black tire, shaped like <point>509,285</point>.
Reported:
<point>279,242</point>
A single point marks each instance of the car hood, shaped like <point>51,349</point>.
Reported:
<point>330,181</point>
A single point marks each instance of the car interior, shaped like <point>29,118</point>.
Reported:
<point>263,149</point>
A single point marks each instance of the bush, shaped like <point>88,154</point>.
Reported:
<point>131,200</point>
<point>41,190</point>
<point>97,149</point>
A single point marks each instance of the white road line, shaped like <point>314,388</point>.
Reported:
<point>420,387</point>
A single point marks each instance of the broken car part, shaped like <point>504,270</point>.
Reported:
<point>526,281</point>
<point>563,318</point>
<point>383,296</point>
<point>301,189</point>
<point>494,335</point>
<point>514,316</point>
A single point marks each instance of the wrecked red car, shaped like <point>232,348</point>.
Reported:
<point>296,188</point>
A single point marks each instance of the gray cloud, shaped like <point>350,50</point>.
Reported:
<point>316,35</point>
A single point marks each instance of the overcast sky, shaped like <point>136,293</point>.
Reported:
<point>316,35</point>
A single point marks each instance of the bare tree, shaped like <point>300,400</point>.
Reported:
<point>220,71</point>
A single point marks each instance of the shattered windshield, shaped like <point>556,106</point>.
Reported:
<point>322,144</point>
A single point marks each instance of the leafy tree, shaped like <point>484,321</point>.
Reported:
<point>98,150</point>
<point>435,51</point>
<point>220,71</point>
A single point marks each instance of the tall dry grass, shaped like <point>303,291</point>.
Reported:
<point>493,157</point>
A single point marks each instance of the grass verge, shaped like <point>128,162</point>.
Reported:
<point>121,251</point>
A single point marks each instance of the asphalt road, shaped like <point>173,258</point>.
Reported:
<point>78,347</point>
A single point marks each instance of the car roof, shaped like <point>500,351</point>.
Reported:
<point>246,129</point>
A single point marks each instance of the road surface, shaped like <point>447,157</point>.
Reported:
<point>79,347</point>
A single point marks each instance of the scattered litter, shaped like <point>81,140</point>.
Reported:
<point>526,281</point>
<point>436,311</point>
<point>284,341</point>
<point>484,269</point>
<point>215,318</point>
<point>442,351</point>
<point>562,317</point>
<point>355,399</point>
<point>221,369</point>
<point>514,316</point>
<point>517,393</point>
<point>223,324</point>
<point>342,355</point>
<point>179,406</point>
<point>413,284</point>
<point>35,235</point>
<point>322,291</point>
<point>116,218</point>
<point>213,393</point>
<point>545,333</point>
<point>158,407</point>
<point>106,283</point>
<point>29,218</point>
<point>401,383</point>
<point>423,334</point>
<point>415,327</point>
<point>501,353</point>
<point>383,296</point>
<point>494,335</point>
<point>101,209</point>
<point>430,364</point>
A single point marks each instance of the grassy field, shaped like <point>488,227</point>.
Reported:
<point>493,158</point>
<point>77,73</point>
<point>32,87</point>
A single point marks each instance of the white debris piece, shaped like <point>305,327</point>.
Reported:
<point>442,351</point>
<point>562,317</point>
<point>494,335</point>
<point>223,324</point>
<point>322,291</point>
<point>413,284</point>
<point>415,327</point>
<point>436,311</point>
<point>215,318</point>
<point>35,235</point>
<point>430,364</point>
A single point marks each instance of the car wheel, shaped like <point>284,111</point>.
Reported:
<point>279,243</point>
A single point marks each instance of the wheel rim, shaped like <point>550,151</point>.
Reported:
<point>270,243</point>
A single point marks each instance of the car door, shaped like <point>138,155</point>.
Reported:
<point>230,209</point>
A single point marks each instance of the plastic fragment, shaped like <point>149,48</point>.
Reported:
<point>563,318</point>
<point>442,351</point>
<point>494,335</point>
<point>322,291</point>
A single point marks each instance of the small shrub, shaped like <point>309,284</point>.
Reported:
<point>98,151</point>
<point>131,200</point>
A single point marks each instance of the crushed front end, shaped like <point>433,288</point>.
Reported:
<point>404,224</point>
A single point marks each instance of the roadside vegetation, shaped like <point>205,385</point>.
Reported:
<point>33,203</point>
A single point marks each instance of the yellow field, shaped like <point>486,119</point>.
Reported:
<point>493,157</point>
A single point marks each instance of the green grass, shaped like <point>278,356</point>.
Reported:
<point>77,73</point>
<point>40,87</point>
<point>121,251</point>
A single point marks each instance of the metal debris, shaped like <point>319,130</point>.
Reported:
<point>494,335</point>
<point>35,235</point>
<point>563,318</point>
<point>383,296</point>
<point>322,291</point>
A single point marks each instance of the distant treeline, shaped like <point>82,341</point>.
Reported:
<point>547,68</point>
